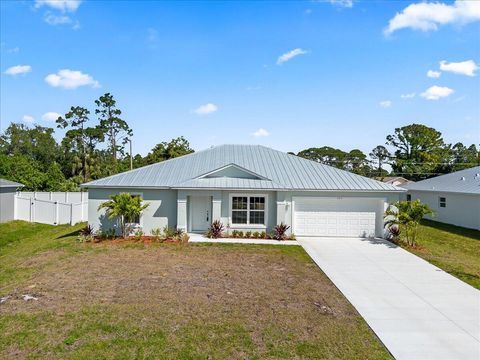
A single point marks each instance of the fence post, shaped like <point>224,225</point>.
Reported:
<point>56,213</point>
<point>32,210</point>
<point>50,196</point>
<point>66,196</point>
<point>71,214</point>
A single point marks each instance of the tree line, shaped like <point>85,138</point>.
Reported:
<point>419,152</point>
<point>95,145</point>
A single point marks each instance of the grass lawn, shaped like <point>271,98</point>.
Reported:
<point>169,301</point>
<point>453,249</point>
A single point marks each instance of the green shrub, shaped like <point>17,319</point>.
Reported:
<point>86,234</point>
<point>157,234</point>
<point>138,234</point>
<point>263,235</point>
<point>256,235</point>
<point>248,234</point>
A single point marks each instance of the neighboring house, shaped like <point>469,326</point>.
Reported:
<point>7,199</point>
<point>454,197</point>
<point>249,188</point>
<point>396,180</point>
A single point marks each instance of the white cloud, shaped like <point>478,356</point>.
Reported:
<point>290,55</point>
<point>342,3</point>
<point>385,103</point>
<point>436,92</point>
<point>408,96</point>
<point>261,133</point>
<point>71,79</point>
<point>433,74</point>
<point>28,119</point>
<point>426,16</point>
<point>50,116</point>
<point>463,68</point>
<point>62,5</point>
<point>18,69</point>
<point>53,19</point>
<point>14,50</point>
<point>206,109</point>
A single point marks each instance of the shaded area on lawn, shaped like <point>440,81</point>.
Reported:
<point>177,302</point>
<point>452,248</point>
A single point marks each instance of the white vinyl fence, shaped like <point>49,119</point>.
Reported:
<point>52,208</point>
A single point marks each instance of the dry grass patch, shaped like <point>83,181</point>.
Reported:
<point>188,302</point>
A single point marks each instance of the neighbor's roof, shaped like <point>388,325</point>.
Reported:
<point>8,184</point>
<point>465,181</point>
<point>276,171</point>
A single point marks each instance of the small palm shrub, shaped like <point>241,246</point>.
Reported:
<point>216,230</point>
<point>248,234</point>
<point>241,234</point>
<point>125,208</point>
<point>407,216</point>
<point>86,234</point>
<point>256,235</point>
<point>263,235</point>
<point>279,231</point>
<point>235,233</point>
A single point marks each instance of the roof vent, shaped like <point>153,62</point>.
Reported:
<point>462,178</point>
<point>477,175</point>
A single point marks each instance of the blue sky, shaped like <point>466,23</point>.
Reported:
<point>289,75</point>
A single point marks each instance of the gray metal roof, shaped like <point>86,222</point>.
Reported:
<point>464,181</point>
<point>9,184</point>
<point>280,171</point>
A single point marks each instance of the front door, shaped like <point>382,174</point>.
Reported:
<point>200,212</point>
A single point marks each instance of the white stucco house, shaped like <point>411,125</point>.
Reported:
<point>7,199</point>
<point>454,197</point>
<point>250,188</point>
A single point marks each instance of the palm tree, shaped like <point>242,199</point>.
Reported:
<point>407,215</point>
<point>125,207</point>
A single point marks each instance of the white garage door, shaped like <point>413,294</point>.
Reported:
<point>348,217</point>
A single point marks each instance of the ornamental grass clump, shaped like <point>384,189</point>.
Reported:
<point>280,231</point>
<point>216,230</point>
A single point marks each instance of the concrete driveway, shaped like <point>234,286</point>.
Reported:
<point>416,309</point>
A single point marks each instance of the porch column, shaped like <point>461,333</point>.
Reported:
<point>182,211</point>
<point>281,205</point>
<point>379,222</point>
<point>217,206</point>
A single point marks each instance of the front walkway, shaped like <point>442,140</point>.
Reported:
<point>417,310</point>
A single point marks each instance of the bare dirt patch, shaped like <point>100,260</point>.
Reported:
<point>273,296</point>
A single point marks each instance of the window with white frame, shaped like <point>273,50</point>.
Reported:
<point>442,202</point>
<point>248,210</point>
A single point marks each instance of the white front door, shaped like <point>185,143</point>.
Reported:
<point>348,217</point>
<point>200,212</point>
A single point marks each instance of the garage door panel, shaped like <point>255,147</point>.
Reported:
<point>353,217</point>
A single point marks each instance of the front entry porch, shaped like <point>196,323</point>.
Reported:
<point>196,210</point>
